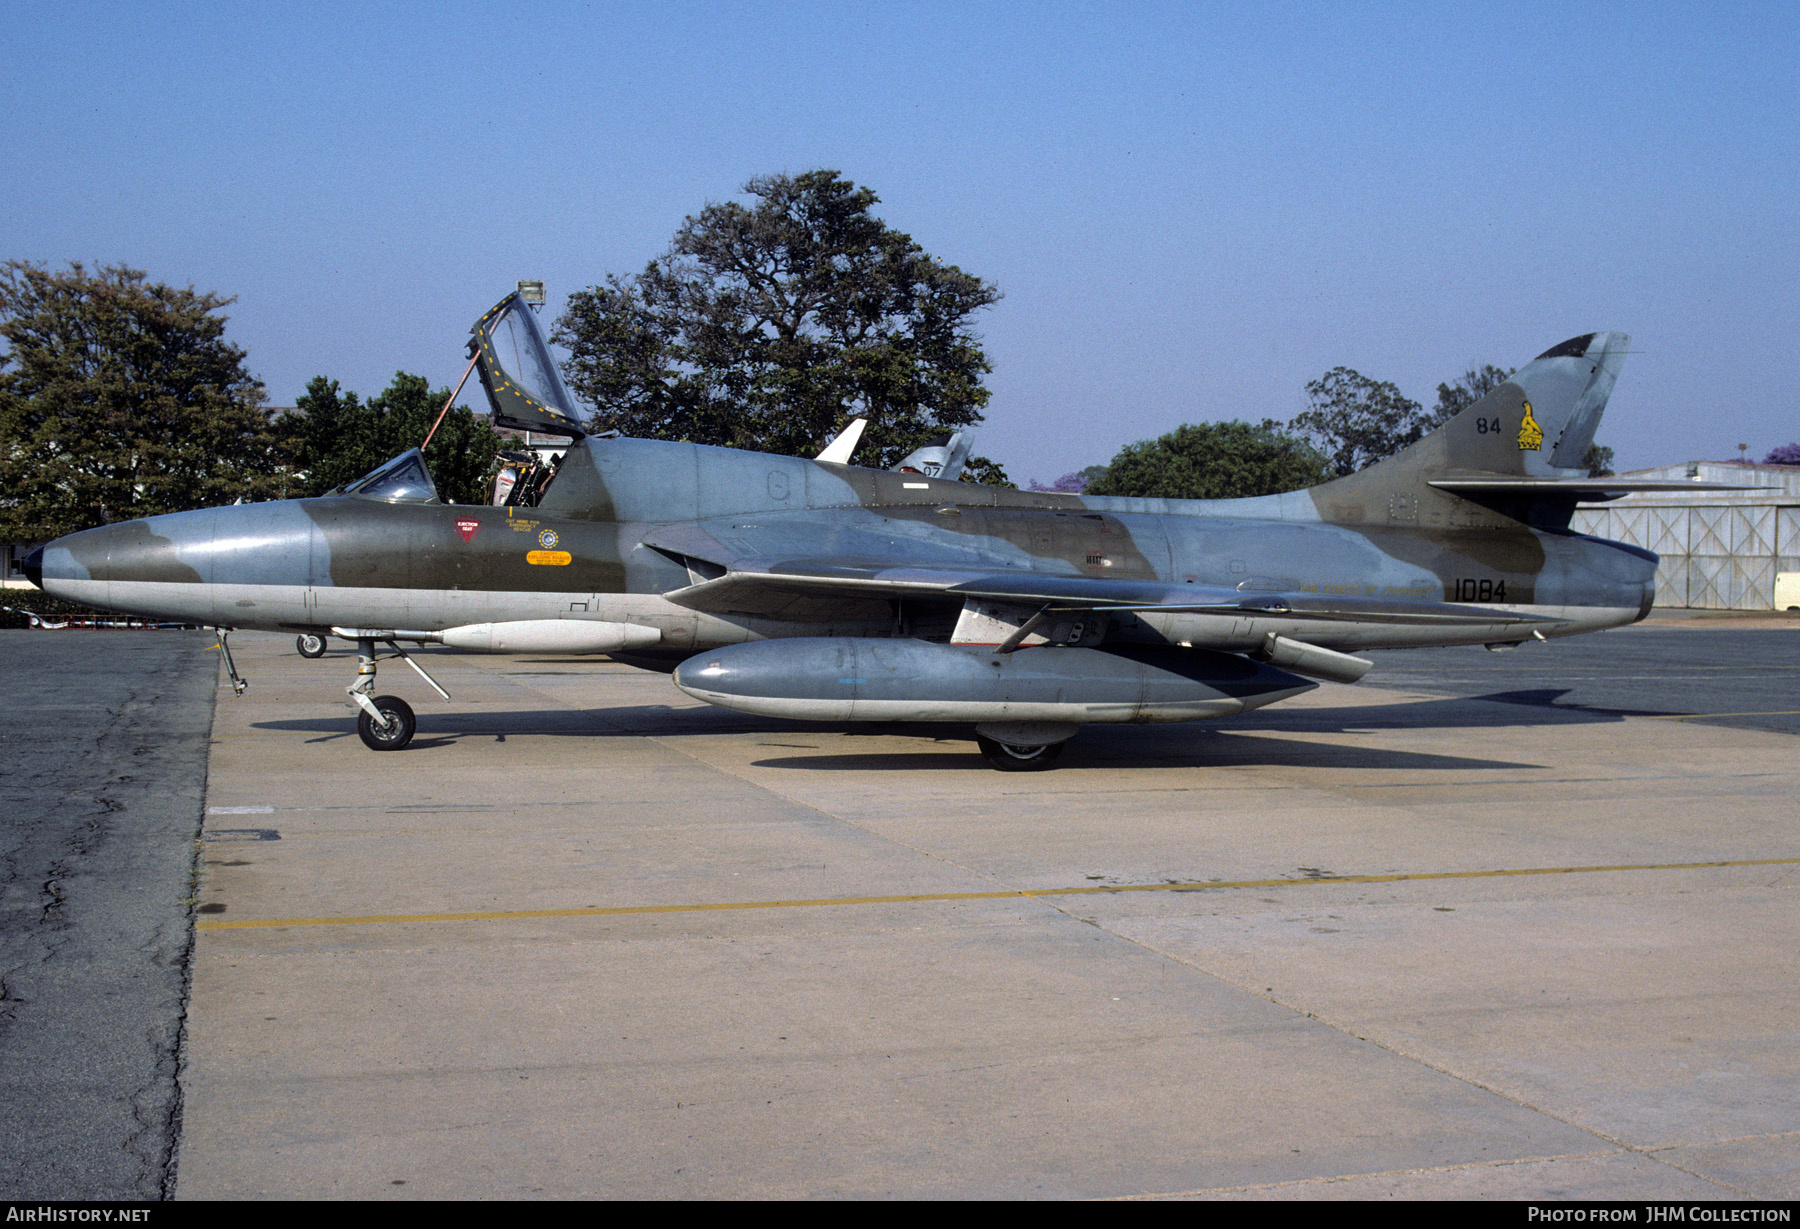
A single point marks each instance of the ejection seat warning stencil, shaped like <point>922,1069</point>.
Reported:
<point>466,529</point>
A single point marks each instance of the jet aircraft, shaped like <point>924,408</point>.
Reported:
<point>820,590</point>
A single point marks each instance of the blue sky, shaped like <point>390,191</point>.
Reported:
<point>1191,209</point>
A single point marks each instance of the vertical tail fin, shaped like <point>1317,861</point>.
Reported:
<point>1537,425</point>
<point>1556,399</point>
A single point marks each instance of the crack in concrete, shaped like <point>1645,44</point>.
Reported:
<point>95,946</point>
<point>1350,1030</point>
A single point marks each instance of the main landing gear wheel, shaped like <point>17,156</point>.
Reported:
<point>1018,757</point>
<point>310,645</point>
<point>395,731</point>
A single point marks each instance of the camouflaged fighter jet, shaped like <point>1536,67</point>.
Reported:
<point>819,590</point>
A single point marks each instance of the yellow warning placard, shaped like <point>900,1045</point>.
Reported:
<point>558,558</point>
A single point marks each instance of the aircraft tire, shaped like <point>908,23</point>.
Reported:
<point>399,731</point>
<point>308,644</point>
<point>1014,757</point>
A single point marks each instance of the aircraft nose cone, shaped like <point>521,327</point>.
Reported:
<point>34,567</point>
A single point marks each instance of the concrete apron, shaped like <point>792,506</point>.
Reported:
<point>587,938</point>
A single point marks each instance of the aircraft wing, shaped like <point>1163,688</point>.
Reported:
<point>761,587</point>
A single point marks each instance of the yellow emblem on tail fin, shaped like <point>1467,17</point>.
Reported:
<point>1531,436</point>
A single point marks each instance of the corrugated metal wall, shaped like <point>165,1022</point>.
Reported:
<point>1719,551</point>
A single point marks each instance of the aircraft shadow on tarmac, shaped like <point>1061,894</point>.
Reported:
<point>1215,750</point>
<point>1545,705</point>
<point>1494,709</point>
<point>1541,707</point>
<point>1197,744</point>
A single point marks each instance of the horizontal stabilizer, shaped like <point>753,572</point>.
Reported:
<point>1582,489</point>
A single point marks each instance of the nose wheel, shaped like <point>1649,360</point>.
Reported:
<point>391,725</point>
<point>310,645</point>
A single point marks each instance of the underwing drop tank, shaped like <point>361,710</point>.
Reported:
<point>840,678</point>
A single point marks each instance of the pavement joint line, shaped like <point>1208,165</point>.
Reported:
<point>1002,894</point>
<point>1363,1176</point>
<point>1216,788</point>
<point>424,808</point>
<point>1453,1168</point>
<point>1614,1143</point>
<point>864,825</point>
<point>1658,1156</point>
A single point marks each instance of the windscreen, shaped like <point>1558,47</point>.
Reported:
<point>402,480</point>
<point>518,373</point>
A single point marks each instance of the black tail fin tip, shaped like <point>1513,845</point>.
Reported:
<point>1575,347</point>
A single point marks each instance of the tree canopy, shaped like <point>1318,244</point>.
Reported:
<point>1355,421</point>
<point>1477,382</point>
<point>1217,460</point>
<point>1072,483</point>
<point>768,326</point>
<point>1464,391</point>
<point>120,398</point>
<point>339,437</point>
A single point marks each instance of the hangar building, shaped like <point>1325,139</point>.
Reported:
<point>1721,550</point>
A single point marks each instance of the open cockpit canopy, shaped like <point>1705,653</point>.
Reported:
<point>404,480</point>
<point>520,377</point>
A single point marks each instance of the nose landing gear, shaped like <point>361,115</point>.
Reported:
<point>386,723</point>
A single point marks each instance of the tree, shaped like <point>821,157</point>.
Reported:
<point>1478,382</point>
<point>1468,388</point>
<point>1358,421</point>
<point>339,438</point>
<point>1787,454</point>
<point>768,326</point>
<point>1218,460</point>
<point>1072,483</point>
<point>120,398</point>
<point>1355,421</point>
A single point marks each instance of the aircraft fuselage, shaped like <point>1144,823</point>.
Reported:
<point>350,561</point>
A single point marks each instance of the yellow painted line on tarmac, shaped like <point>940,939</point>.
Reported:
<point>932,897</point>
